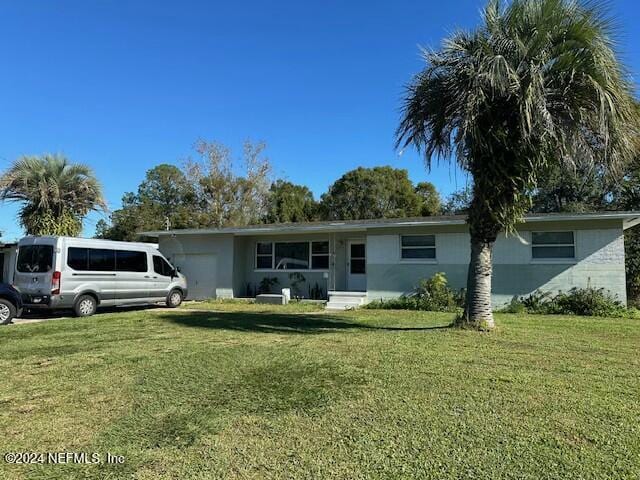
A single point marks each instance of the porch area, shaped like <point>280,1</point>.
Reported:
<point>329,266</point>
<point>346,300</point>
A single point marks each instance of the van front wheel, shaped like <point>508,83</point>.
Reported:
<point>7,311</point>
<point>85,306</point>
<point>174,299</point>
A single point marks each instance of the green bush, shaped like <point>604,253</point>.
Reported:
<point>589,301</point>
<point>433,294</point>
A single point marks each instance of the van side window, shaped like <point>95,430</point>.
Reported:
<point>130,261</point>
<point>101,260</point>
<point>161,267</point>
<point>91,259</point>
<point>78,258</point>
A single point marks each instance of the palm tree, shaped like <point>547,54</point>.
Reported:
<point>55,193</point>
<point>537,83</point>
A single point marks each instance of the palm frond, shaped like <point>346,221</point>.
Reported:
<point>538,82</point>
<point>52,187</point>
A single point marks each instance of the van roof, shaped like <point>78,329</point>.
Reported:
<point>97,241</point>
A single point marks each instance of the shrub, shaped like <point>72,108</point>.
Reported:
<point>433,294</point>
<point>296,281</point>
<point>588,301</point>
<point>267,284</point>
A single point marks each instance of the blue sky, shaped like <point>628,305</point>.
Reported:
<point>123,86</point>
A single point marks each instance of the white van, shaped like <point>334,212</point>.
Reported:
<point>84,274</point>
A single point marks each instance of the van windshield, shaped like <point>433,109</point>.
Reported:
<point>35,259</point>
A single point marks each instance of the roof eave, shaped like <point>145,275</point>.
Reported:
<point>629,219</point>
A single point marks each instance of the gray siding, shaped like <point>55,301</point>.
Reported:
<point>247,276</point>
<point>181,249</point>
<point>599,260</point>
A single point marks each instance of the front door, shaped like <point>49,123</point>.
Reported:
<point>357,266</point>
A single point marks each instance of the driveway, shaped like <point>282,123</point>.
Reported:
<point>36,316</point>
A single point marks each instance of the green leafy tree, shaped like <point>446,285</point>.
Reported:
<point>429,199</point>
<point>164,195</point>
<point>55,194</point>
<point>457,203</point>
<point>365,193</point>
<point>537,83</point>
<point>626,196</point>
<point>290,203</point>
<point>585,188</point>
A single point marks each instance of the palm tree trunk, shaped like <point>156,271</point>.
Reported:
<point>478,312</point>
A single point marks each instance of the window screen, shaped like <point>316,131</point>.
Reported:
<point>357,258</point>
<point>418,246</point>
<point>292,256</point>
<point>264,255</point>
<point>552,245</point>
<point>320,255</point>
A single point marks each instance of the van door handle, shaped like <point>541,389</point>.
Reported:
<point>147,276</point>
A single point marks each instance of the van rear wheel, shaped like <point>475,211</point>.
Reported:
<point>85,306</point>
<point>174,299</point>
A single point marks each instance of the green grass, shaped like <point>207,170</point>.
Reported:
<point>249,305</point>
<point>368,394</point>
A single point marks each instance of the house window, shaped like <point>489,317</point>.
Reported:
<point>264,256</point>
<point>319,255</point>
<point>292,255</point>
<point>552,245</point>
<point>418,247</point>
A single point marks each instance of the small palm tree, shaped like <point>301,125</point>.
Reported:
<point>537,84</point>
<point>55,193</point>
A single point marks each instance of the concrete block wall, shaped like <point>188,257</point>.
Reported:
<point>599,263</point>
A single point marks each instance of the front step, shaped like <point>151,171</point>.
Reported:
<point>346,300</point>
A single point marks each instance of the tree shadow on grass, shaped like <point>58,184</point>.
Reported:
<point>279,322</point>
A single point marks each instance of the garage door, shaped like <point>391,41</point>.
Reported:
<point>200,270</point>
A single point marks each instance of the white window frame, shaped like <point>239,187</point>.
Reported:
<point>256,255</point>
<point>292,270</point>
<point>418,260</point>
<point>554,259</point>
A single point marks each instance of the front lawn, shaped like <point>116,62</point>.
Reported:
<point>367,394</point>
<point>250,305</point>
